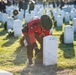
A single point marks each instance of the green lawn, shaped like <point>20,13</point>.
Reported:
<point>13,57</point>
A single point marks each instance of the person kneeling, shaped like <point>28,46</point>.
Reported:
<point>35,30</point>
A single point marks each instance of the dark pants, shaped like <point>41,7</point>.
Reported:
<point>34,46</point>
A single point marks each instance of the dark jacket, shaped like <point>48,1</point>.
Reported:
<point>25,4</point>
<point>2,6</point>
<point>20,4</point>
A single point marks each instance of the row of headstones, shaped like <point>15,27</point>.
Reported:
<point>9,9</point>
<point>37,12</point>
<point>16,25</point>
<point>59,16</point>
<point>4,16</point>
<point>66,8</point>
<point>10,21</point>
<point>47,11</point>
<point>63,14</point>
<point>62,11</point>
<point>12,7</point>
<point>59,20</point>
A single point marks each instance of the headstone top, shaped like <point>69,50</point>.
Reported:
<point>2,72</point>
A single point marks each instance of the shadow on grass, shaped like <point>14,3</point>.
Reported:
<point>59,68</point>
<point>68,50</point>
<point>67,23</point>
<point>10,40</point>
<point>38,69</point>
<point>21,55</point>
<point>58,28</point>
<point>3,32</point>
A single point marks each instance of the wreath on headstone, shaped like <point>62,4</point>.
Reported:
<point>15,12</point>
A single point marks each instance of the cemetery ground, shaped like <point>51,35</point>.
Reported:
<point>13,57</point>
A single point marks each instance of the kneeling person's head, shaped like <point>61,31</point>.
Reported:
<point>46,22</point>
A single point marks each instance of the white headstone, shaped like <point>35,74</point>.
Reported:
<point>17,27</point>
<point>27,11</point>
<point>9,8</point>
<point>59,20</point>
<point>27,17</point>
<point>42,11</point>
<point>15,7</point>
<point>63,13</point>
<point>50,50</point>
<point>66,8</point>
<point>51,6</point>
<point>1,16</point>
<point>48,13</point>
<point>68,34</point>
<point>52,9</point>
<point>22,11</point>
<point>11,12</point>
<point>72,6</point>
<point>35,17</point>
<point>20,16</point>
<point>39,14</point>
<point>74,24</point>
<point>2,72</point>
<point>59,11</point>
<point>67,17</point>
<point>72,14</point>
<point>32,14</point>
<point>51,30</point>
<point>4,17</point>
<point>10,23</point>
<point>37,7</point>
<point>55,15</point>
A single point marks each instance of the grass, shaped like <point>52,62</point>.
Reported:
<point>13,57</point>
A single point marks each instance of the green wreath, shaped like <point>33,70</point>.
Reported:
<point>15,12</point>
